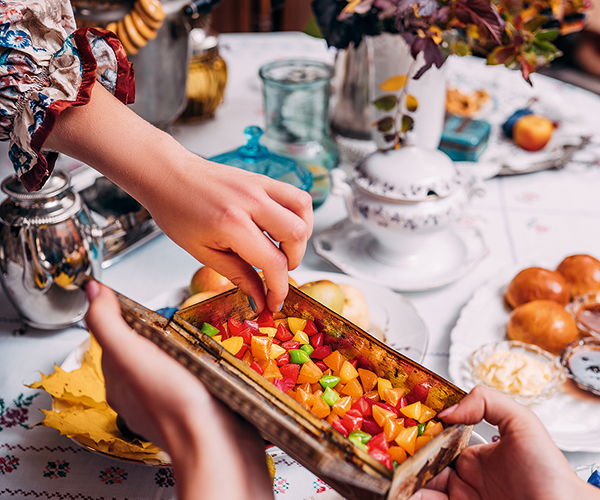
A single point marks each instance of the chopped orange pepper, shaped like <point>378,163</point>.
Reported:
<point>392,427</point>
<point>407,439</point>
<point>309,372</point>
<point>261,347</point>
<point>392,396</point>
<point>426,414</point>
<point>412,411</point>
<point>247,358</point>
<point>368,379</point>
<point>301,337</point>
<point>347,372</point>
<point>296,324</point>
<point>422,441</point>
<point>372,395</point>
<point>433,429</point>
<point>342,405</point>
<point>398,454</point>
<point>335,361</point>
<point>233,344</point>
<point>382,385</point>
<point>320,408</point>
<point>271,371</point>
<point>353,388</point>
<point>380,415</point>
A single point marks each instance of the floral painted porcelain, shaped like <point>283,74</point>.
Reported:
<point>405,198</point>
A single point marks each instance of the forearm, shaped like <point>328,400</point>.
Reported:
<point>116,142</point>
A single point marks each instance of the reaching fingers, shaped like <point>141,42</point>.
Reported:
<point>482,403</point>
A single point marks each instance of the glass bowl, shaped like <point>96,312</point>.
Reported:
<point>585,309</point>
<point>525,357</point>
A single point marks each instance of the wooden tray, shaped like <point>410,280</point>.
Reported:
<point>284,422</point>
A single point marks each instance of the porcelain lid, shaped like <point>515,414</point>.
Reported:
<point>409,173</point>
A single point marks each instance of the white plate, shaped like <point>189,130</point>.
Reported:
<point>72,362</point>
<point>572,416</point>
<point>389,312</point>
<point>348,246</point>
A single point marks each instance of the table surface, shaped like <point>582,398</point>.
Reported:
<point>524,220</point>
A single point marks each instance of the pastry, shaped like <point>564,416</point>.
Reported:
<point>582,273</point>
<point>535,283</point>
<point>134,35</point>
<point>144,30</point>
<point>544,323</point>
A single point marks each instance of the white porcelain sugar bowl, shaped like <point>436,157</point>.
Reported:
<point>406,198</point>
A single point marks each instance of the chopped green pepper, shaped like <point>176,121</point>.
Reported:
<point>421,428</point>
<point>362,436</point>
<point>358,442</point>
<point>329,381</point>
<point>298,356</point>
<point>330,396</point>
<point>210,330</point>
<point>307,348</point>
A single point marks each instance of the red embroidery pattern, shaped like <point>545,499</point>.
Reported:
<point>56,469</point>
<point>321,486</point>
<point>164,478</point>
<point>280,485</point>
<point>11,447</point>
<point>113,475</point>
<point>8,464</point>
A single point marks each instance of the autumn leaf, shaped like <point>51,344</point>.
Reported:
<point>411,103</point>
<point>394,83</point>
<point>386,102</point>
<point>385,124</point>
<point>407,123</point>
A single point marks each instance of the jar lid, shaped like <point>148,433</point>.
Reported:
<point>201,43</point>
<point>54,202</point>
<point>258,159</point>
<point>410,173</point>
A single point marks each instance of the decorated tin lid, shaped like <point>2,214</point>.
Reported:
<point>257,158</point>
<point>410,173</point>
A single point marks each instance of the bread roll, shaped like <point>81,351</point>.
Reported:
<point>544,323</point>
<point>535,283</point>
<point>582,273</point>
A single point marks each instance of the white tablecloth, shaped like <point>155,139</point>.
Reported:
<point>536,218</point>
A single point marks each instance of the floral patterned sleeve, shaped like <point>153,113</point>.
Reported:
<point>46,66</point>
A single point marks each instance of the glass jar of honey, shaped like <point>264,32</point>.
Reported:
<point>206,79</point>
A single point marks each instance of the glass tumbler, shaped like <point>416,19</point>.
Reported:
<point>296,100</point>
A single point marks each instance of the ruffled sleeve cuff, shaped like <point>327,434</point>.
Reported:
<point>86,56</point>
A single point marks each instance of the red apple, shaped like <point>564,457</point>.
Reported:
<point>532,132</point>
<point>207,279</point>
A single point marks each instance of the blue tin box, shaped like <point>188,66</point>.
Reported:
<point>464,139</point>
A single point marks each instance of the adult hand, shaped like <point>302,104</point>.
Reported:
<point>215,454</point>
<point>219,214</point>
<point>525,464</point>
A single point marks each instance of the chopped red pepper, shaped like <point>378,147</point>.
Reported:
<point>290,371</point>
<point>369,425</point>
<point>235,327</point>
<point>409,422</point>
<point>381,456</point>
<point>283,333</point>
<point>284,359</point>
<point>379,441</point>
<point>321,365</point>
<point>290,344</point>
<point>338,426</point>
<point>362,406</point>
<point>223,331</point>
<point>242,351</point>
<point>401,403</point>
<point>310,328</point>
<point>285,384</point>
<point>387,407</point>
<point>256,367</point>
<point>353,362</point>
<point>246,334</point>
<point>265,318</point>
<point>352,420</point>
<point>321,352</point>
<point>317,340</point>
<point>253,325</point>
<point>419,393</point>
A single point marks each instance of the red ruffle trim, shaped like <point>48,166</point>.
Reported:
<point>35,178</point>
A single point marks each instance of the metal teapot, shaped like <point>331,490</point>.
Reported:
<point>48,245</point>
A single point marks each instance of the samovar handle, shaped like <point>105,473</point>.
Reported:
<point>35,278</point>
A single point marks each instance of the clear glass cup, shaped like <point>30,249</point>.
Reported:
<point>296,99</point>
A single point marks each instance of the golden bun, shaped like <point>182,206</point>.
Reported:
<point>544,323</point>
<point>536,283</point>
<point>582,273</point>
